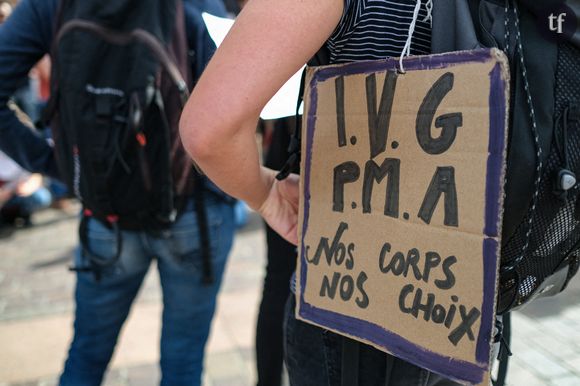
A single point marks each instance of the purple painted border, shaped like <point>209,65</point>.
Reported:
<point>399,346</point>
<point>495,160</point>
<point>411,64</point>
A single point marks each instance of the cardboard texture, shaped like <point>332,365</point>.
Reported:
<point>400,207</point>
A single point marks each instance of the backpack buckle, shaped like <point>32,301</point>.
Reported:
<point>566,180</point>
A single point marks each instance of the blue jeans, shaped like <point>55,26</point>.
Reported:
<point>26,205</point>
<point>188,305</point>
<point>314,358</point>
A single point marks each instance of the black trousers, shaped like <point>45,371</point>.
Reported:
<point>281,264</point>
<point>269,333</point>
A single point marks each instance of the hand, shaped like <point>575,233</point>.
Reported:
<point>29,185</point>
<point>280,209</point>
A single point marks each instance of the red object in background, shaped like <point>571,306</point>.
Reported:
<point>43,72</point>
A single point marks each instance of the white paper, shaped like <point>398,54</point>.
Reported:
<point>283,104</point>
<point>218,27</point>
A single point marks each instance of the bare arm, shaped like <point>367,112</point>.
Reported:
<point>268,43</point>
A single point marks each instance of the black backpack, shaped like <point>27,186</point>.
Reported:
<point>541,227</point>
<point>120,77</point>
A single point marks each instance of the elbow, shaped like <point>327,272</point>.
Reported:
<point>197,138</point>
<point>210,123</point>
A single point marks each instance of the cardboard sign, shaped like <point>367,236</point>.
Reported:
<point>401,191</point>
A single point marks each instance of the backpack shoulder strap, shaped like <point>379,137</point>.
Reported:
<point>321,58</point>
<point>50,109</point>
<point>453,27</point>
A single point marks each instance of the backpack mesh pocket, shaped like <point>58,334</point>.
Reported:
<point>554,240</point>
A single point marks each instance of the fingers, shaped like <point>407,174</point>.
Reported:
<point>280,209</point>
<point>290,190</point>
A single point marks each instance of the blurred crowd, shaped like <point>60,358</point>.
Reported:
<point>23,193</point>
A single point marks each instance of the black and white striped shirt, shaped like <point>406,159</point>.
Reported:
<point>376,29</point>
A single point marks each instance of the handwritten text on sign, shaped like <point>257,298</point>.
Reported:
<point>400,210</point>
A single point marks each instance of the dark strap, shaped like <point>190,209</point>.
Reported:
<point>97,262</point>
<point>295,139</point>
<point>200,209</point>
<point>503,337</point>
<point>168,204</point>
<point>321,58</point>
<point>389,369</point>
<point>350,360</point>
<point>122,39</point>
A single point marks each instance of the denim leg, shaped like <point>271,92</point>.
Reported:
<point>305,353</point>
<point>314,358</point>
<point>40,199</point>
<point>188,304</point>
<point>26,205</point>
<point>102,306</point>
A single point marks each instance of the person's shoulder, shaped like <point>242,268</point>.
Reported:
<point>33,19</point>
<point>44,8</point>
<point>37,15</point>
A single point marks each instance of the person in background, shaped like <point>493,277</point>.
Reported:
<point>31,98</point>
<point>21,193</point>
<point>102,305</point>
<point>27,95</point>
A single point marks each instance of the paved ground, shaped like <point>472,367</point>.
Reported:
<point>36,306</point>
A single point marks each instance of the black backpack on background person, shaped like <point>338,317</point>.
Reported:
<point>120,78</point>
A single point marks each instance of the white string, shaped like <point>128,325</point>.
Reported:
<point>429,8</point>
<point>407,49</point>
<point>507,29</point>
